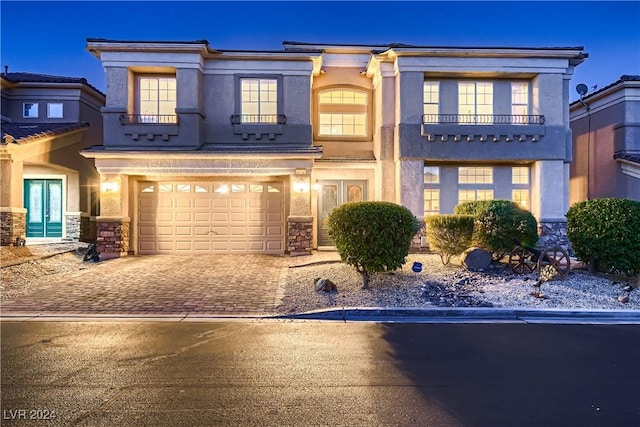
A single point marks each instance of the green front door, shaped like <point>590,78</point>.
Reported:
<point>43,201</point>
<point>333,194</point>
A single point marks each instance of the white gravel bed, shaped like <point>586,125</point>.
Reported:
<point>26,277</point>
<point>449,286</point>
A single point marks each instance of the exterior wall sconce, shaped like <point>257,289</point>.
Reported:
<point>301,186</point>
<point>316,185</point>
<point>109,186</point>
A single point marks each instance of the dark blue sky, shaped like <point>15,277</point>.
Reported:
<point>50,37</point>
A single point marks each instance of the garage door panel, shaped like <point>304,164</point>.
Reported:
<point>165,230</point>
<point>184,216</point>
<point>202,203</point>
<point>183,231</point>
<point>274,216</point>
<point>193,218</point>
<point>274,231</point>
<point>238,231</point>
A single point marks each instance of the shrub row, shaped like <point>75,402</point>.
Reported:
<point>495,224</point>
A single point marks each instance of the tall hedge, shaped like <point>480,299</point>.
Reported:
<point>498,223</point>
<point>372,236</point>
<point>449,235</point>
<point>606,234</point>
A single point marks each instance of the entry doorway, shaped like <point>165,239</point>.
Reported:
<point>43,201</point>
<point>332,194</point>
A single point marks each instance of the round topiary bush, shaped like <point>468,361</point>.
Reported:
<point>498,223</point>
<point>606,234</point>
<point>372,236</point>
<point>449,235</point>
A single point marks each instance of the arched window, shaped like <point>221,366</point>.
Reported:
<point>343,112</point>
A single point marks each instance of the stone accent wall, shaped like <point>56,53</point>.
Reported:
<point>554,233</point>
<point>300,235</point>
<point>13,225</point>
<point>417,241</point>
<point>113,239</point>
<point>73,225</point>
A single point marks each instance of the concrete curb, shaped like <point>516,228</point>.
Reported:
<point>470,315</point>
<point>364,314</point>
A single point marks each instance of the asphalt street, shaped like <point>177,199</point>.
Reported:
<point>302,373</point>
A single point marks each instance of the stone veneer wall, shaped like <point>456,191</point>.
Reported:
<point>113,238</point>
<point>554,233</point>
<point>417,241</point>
<point>13,225</point>
<point>300,232</point>
<point>73,227</point>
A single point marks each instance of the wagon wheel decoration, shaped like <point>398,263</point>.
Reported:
<point>521,262</point>
<point>558,259</point>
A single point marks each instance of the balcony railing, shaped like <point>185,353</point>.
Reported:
<point>142,119</point>
<point>250,119</point>
<point>482,119</point>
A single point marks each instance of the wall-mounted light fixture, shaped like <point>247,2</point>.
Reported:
<point>316,185</point>
<point>109,185</point>
<point>301,186</point>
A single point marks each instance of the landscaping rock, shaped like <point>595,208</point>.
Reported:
<point>325,285</point>
<point>476,259</point>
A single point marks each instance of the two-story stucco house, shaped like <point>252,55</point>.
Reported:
<point>211,150</point>
<point>48,191</point>
<point>606,142</point>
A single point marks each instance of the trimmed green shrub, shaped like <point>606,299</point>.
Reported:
<point>606,234</point>
<point>372,236</point>
<point>449,235</point>
<point>473,207</point>
<point>498,223</point>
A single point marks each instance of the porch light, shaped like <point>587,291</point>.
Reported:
<point>316,185</point>
<point>109,186</point>
<point>301,186</point>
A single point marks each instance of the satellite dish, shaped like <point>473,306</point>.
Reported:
<point>582,89</point>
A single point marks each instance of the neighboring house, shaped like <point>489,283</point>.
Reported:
<point>209,150</point>
<point>606,142</point>
<point>48,190</point>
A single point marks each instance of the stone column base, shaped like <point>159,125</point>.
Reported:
<point>300,232</point>
<point>13,225</point>
<point>113,237</point>
<point>554,233</point>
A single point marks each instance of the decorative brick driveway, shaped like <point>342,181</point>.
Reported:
<point>163,285</point>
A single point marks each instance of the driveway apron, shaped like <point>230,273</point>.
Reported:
<point>235,285</point>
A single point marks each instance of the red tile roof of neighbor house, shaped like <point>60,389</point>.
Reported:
<point>21,77</point>
<point>20,133</point>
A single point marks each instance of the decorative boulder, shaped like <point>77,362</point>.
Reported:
<point>325,285</point>
<point>476,259</point>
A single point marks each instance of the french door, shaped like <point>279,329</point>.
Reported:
<point>43,201</point>
<point>333,194</point>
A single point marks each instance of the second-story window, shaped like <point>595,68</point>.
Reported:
<point>259,100</point>
<point>343,112</point>
<point>520,101</point>
<point>475,102</point>
<point>30,110</point>
<point>157,99</point>
<point>431,99</point>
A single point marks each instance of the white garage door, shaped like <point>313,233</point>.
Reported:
<point>210,217</point>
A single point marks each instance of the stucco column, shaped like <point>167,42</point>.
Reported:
<point>113,224</point>
<point>411,186</point>
<point>300,220</point>
<point>549,201</point>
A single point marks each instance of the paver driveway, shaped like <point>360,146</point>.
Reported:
<point>164,285</point>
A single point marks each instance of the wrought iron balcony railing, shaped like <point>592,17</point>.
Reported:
<point>251,119</point>
<point>482,119</point>
<point>163,119</point>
